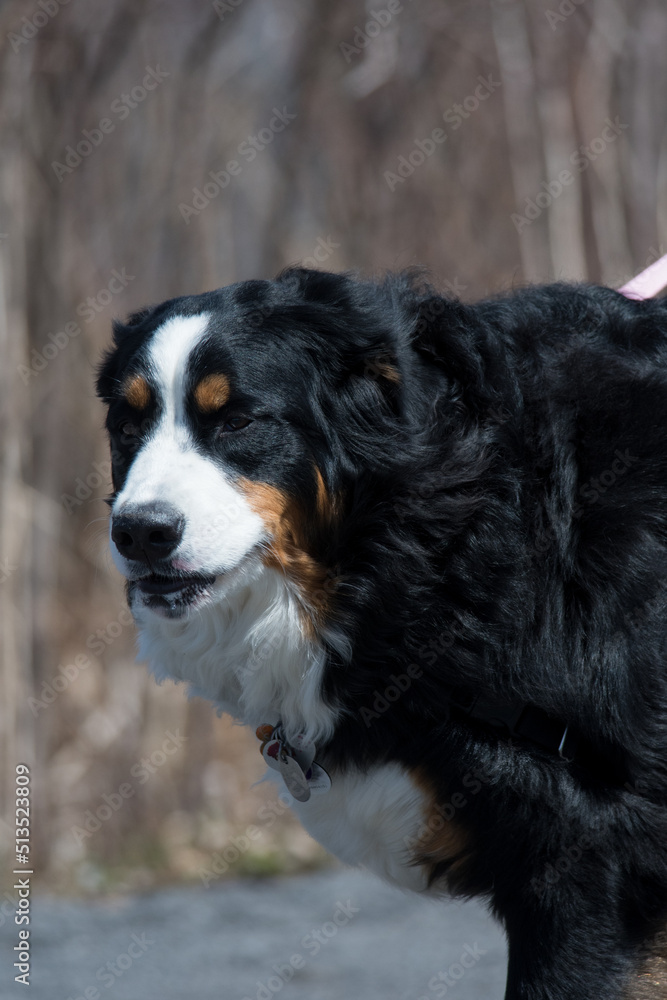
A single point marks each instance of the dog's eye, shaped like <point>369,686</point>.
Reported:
<point>235,424</point>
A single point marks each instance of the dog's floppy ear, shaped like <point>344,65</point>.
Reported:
<point>123,335</point>
<point>322,287</point>
<point>362,313</point>
<point>428,335</point>
<point>450,335</point>
<point>445,334</point>
<point>123,330</point>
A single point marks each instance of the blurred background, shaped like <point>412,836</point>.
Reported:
<point>156,149</point>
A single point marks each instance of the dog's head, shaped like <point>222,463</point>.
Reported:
<point>236,419</point>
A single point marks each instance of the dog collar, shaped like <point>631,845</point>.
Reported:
<point>532,726</point>
<point>648,282</point>
<point>302,775</point>
<point>525,722</point>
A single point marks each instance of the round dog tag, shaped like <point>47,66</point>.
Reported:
<point>304,751</point>
<point>294,778</point>
<point>318,779</point>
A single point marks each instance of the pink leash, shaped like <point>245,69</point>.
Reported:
<point>648,282</point>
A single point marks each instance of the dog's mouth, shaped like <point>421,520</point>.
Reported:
<point>172,595</point>
<point>158,584</point>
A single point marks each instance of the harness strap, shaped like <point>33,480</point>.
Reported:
<point>533,726</point>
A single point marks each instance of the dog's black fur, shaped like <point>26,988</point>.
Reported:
<point>500,472</point>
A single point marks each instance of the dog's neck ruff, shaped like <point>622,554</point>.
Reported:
<point>246,652</point>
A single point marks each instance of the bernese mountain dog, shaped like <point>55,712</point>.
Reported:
<point>420,546</point>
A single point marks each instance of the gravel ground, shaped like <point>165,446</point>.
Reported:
<point>331,935</point>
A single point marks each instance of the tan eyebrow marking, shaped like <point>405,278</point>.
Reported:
<point>136,391</point>
<point>212,392</point>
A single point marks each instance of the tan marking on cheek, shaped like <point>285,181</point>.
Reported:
<point>137,392</point>
<point>212,393</point>
<point>267,501</point>
<point>443,846</point>
<point>286,524</point>
<point>650,980</point>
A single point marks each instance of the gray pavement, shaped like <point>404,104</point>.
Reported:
<point>331,935</point>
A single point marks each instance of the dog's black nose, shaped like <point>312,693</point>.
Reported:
<point>147,532</point>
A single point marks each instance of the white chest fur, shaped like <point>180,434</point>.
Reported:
<point>370,819</point>
<point>246,652</point>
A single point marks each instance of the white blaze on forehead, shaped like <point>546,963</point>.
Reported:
<point>169,352</point>
<point>220,526</point>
